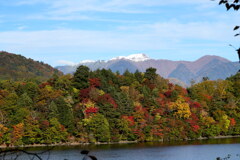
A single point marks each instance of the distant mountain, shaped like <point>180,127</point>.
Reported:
<point>217,69</point>
<point>182,73</point>
<point>214,67</point>
<point>122,66</point>
<point>17,67</point>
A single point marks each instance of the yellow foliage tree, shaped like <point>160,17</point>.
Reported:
<point>181,108</point>
<point>3,131</point>
<point>125,89</point>
<point>18,133</point>
<point>208,121</point>
<point>224,123</point>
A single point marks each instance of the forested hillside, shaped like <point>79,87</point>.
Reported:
<point>102,106</point>
<point>17,67</point>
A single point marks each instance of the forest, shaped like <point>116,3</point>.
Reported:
<point>102,106</point>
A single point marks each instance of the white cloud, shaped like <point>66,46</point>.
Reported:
<point>171,37</point>
<point>144,37</point>
<point>81,39</point>
<point>180,31</point>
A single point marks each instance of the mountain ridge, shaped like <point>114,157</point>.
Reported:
<point>195,70</point>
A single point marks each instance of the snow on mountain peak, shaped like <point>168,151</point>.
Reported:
<point>134,57</point>
<point>87,61</point>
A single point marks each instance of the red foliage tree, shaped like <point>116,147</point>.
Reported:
<point>44,124</point>
<point>130,119</point>
<point>195,105</point>
<point>157,132</point>
<point>94,82</point>
<point>168,93</point>
<point>195,128</point>
<point>193,121</point>
<point>44,84</point>
<point>232,122</point>
<point>107,98</point>
<point>143,111</point>
<point>207,97</point>
<point>91,110</point>
<point>170,86</point>
<point>84,93</point>
<point>161,95</point>
<point>181,91</point>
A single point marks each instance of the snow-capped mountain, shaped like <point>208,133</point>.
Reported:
<point>134,57</point>
<point>214,67</point>
<point>87,61</point>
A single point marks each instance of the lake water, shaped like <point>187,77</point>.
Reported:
<point>190,150</point>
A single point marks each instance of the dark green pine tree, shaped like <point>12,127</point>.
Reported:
<point>65,114</point>
<point>25,101</point>
<point>53,110</point>
<point>81,76</point>
<point>125,104</point>
<point>138,76</point>
<point>99,127</point>
<point>235,79</point>
<point>31,89</point>
<point>151,74</point>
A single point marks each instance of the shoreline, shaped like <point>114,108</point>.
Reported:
<point>103,143</point>
<point>67,144</point>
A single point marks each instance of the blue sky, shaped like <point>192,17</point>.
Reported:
<point>69,31</point>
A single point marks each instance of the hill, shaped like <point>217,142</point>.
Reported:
<point>17,67</point>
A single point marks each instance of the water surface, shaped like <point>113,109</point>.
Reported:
<point>187,150</point>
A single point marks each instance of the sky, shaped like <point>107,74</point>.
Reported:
<point>60,32</point>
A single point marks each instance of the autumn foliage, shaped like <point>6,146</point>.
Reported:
<point>102,106</point>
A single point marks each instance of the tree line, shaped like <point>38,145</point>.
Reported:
<point>102,106</point>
